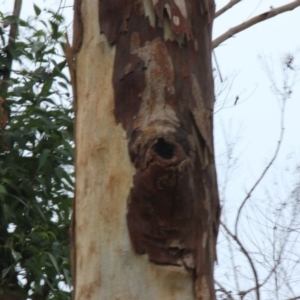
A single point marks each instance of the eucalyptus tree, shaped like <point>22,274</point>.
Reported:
<point>146,212</point>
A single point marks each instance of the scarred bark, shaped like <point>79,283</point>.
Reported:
<point>161,76</point>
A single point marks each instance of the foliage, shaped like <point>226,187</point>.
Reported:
<point>36,161</point>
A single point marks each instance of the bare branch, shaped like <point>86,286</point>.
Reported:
<point>263,282</point>
<point>69,53</point>
<point>257,19</point>
<point>223,290</point>
<point>230,4</point>
<point>285,95</point>
<point>272,271</point>
<point>259,179</point>
<point>246,253</point>
<point>12,36</point>
<point>217,66</point>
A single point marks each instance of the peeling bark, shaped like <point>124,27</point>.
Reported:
<point>159,81</point>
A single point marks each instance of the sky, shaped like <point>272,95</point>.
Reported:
<point>249,62</point>
<point>244,58</point>
<point>246,136</point>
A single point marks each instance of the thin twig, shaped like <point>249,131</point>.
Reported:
<point>285,94</point>
<point>262,283</point>
<point>222,10</point>
<point>264,171</point>
<point>278,261</point>
<point>228,168</point>
<point>223,290</point>
<point>257,19</point>
<point>246,253</point>
<point>274,259</point>
<point>71,66</point>
<point>217,66</point>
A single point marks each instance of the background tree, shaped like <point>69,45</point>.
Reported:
<point>36,157</point>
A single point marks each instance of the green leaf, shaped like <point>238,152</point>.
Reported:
<point>24,23</point>
<point>37,10</point>
<point>36,46</point>
<point>53,259</point>
<point>62,84</point>
<point>43,157</point>
<point>16,255</point>
<point>18,90</point>
<point>6,271</point>
<point>67,276</point>
<point>37,179</point>
<point>20,200</point>
<point>38,208</point>
<point>48,282</point>
<point>39,33</point>
<point>2,189</point>
<point>50,233</point>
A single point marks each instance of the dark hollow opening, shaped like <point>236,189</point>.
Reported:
<point>164,149</point>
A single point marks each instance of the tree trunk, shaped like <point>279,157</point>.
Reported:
<point>146,211</point>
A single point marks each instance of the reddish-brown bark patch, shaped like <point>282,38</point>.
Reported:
<point>164,99</point>
<point>77,27</point>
